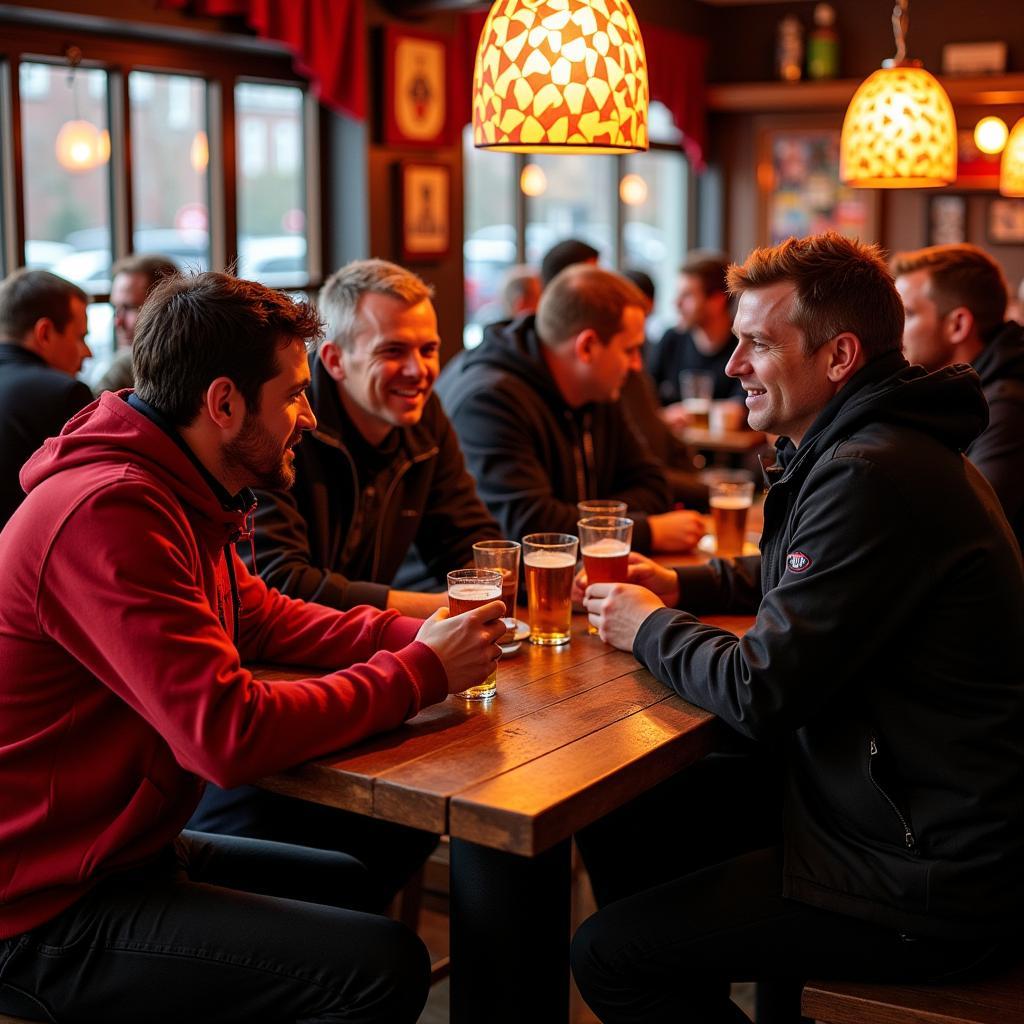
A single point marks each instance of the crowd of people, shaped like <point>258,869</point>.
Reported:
<point>262,480</point>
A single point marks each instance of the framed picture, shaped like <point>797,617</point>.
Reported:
<point>974,169</point>
<point>1006,221</point>
<point>800,191</point>
<point>425,191</point>
<point>415,89</point>
<point>947,219</point>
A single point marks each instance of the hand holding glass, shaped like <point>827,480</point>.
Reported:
<point>468,589</point>
<point>604,544</point>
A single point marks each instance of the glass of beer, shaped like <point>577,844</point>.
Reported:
<point>604,545</point>
<point>502,556</point>
<point>550,560</point>
<point>468,589</point>
<point>600,507</point>
<point>731,495</point>
<point>696,388</point>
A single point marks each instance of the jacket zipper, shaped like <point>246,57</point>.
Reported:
<point>908,834</point>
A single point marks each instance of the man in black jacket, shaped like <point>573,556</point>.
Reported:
<point>537,412</point>
<point>868,821</point>
<point>42,346</point>
<point>955,298</point>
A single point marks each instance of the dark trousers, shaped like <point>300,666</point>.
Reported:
<point>220,929</point>
<point>390,853</point>
<point>689,881</point>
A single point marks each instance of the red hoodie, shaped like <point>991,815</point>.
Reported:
<point>120,686</point>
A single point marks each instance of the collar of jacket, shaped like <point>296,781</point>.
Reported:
<point>12,352</point>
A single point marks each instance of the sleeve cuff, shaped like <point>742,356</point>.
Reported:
<point>399,631</point>
<point>428,674</point>
<point>700,590</point>
<point>373,594</point>
<point>641,533</point>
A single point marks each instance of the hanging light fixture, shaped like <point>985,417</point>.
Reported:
<point>990,135</point>
<point>560,76</point>
<point>80,145</point>
<point>1011,167</point>
<point>533,181</point>
<point>899,130</point>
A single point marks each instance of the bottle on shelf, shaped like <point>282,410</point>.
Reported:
<point>789,49</point>
<point>823,44</point>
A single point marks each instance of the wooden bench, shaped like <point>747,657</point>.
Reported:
<point>995,1000</point>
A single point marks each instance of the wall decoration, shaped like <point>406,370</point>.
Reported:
<point>947,219</point>
<point>415,89</point>
<point>800,191</point>
<point>425,190</point>
<point>1006,221</point>
<point>975,170</point>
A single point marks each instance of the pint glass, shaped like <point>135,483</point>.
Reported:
<point>731,495</point>
<point>604,544</point>
<point>696,388</point>
<point>502,556</point>
<point>600,507</point>
<point>550,560</point>
<point>468,589</point>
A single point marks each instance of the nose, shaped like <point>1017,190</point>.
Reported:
<point>636,361</point>
<point>738,364</point>
<point>307,419</point>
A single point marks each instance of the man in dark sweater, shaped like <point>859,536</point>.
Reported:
<point>42,346</point>
<point>867,820</point>
<point>955,298</point>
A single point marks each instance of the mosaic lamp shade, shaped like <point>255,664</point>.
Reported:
<point>899,132</point>
<point>560,76</point>
<point>1011,168</point>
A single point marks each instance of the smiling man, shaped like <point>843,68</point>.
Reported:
<point>867,822</point>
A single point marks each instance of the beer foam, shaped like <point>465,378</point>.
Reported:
<point>550,559</point>
<point>606,547</point>
<point>474,592</point>
<point>729,501</point>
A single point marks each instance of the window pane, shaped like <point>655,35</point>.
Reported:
<point>170,154</point>
<point>654,234</point>
<point>490,245</point>
<point>660,126</point>
<point>573,197</point>
<point>67,172</point>
<point>271,194</point>
<point>101,342</point>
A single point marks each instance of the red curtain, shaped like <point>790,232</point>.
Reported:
<point>327,39</point>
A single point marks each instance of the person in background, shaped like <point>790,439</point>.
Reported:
<point>566,253</point>
<point>863,817</point>
<point>520,292</point>
<point>42,347</point>
<point>133,279</point>
<point>537,413</point>
<point>955,299</point>
<point>126,618</point>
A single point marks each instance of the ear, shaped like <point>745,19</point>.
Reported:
<point>584,345</point>
<point>845,357</point>
<point>958,325</point>
<point>224,405</point>
<point>42,334</point>
<point>333,359</point>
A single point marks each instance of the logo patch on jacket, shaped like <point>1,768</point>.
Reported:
<point>797,561</point>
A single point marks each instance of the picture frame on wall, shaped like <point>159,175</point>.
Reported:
<point>947,219</point>
<point>425,203</point>
<point>1006,221</point>
<point>799,188</point>
<point>416,104</point>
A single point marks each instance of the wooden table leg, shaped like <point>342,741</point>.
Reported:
<point>509,935</point>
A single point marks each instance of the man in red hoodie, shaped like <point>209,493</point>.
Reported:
<point>125,618</point>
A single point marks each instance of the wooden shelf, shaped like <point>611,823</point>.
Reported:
<point>763,97</point>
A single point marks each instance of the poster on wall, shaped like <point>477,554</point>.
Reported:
<point>425,203</point>
<point>415,92</point>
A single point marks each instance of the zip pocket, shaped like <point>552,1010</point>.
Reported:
<point>908,833</point>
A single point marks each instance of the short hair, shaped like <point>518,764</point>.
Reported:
<point>642,280</point>
<point>30,295</point>
<point>196,328</point>
<point>841,285</point>
<point>960,275</point>
<point>564,254</point>
<point>583,296</point>
<point>711,270</point>
<point>341,293</point>
<point>151,266</point>
<point>517,284</point>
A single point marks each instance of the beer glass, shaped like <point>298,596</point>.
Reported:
<point>600,507</point>
<point>696,388</point>
<point>604,545</point>
<point>550,560</point>
<point>468,589</point>
<point>502,556</point>
<point>731,495</point>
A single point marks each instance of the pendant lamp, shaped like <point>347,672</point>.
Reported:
<point>899,130</point>
<point>1011,167</point>
<point>560,76</point>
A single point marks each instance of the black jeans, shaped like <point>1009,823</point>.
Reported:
<point>221,929</point>
<point>390,853</point>
<point>689,879</point>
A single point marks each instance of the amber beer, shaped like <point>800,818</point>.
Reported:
<point>730,498</point>
<point>696,389</point>
<point>699,412</point>
<point>604,544</point>
<point>550,560</point>
<point>469,589</point>
<point>502,556</point>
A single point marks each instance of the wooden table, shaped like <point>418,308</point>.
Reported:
<point>573,733</point>
<point>730,442</point>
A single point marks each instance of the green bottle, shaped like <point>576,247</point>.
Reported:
<point>823,44</point>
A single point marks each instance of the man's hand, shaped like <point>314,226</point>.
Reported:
<point>618,610</point>
<point>412,602</point>
<point>466,643</point>
<point>656,578</point>
<point>675,416</point>
<point>676,531</point>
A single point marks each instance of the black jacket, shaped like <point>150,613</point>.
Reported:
<point>418,490</point>
<point>35,402</point>
<point>533,456</point>
<point>886,659</point>
<point>999,451</point>
<point>676,352</point>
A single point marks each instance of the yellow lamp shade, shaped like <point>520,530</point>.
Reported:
<point>1011,168</point>
<point>81,146</point>
<point>560,76</point>
<point>899,132</point>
